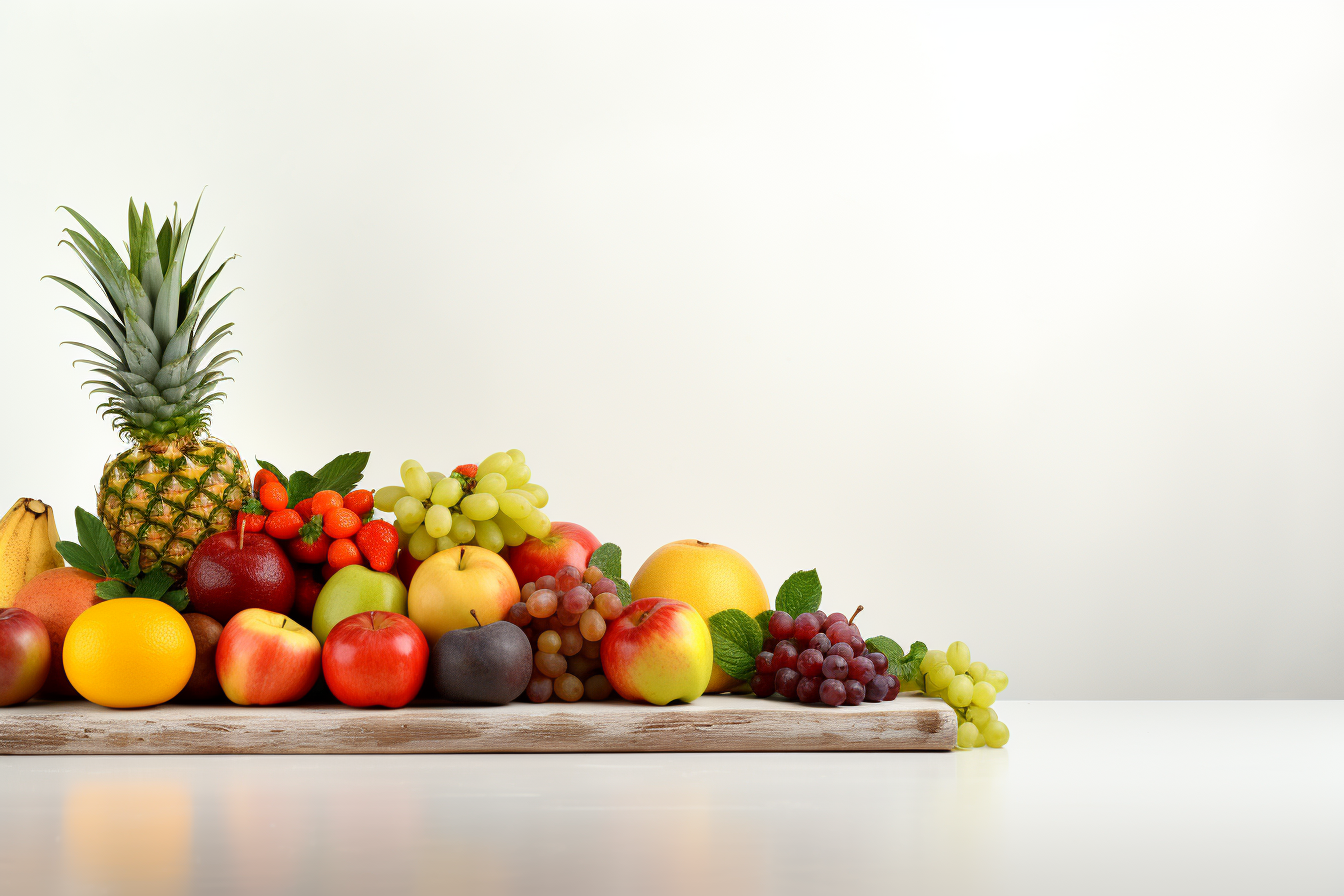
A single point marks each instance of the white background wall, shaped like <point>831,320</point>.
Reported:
<point>1021,322</point>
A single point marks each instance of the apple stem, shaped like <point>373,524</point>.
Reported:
<point>856,612</point>
<point>242,529</point>
<point>477,618</point>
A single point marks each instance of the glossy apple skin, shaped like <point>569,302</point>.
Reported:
<point>356,589</point>
<point>264,658</point>
<point>223,579</point>
<point>569,544</point>
<point>658,650</point>
<point>375,659</point>
<point>452,583</point>
<point>25,655</point>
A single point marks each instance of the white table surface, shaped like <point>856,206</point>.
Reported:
<point>1217,797</point>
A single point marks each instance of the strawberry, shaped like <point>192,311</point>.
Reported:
<point>360,501</point>
<point>378,542</point>
<point>341,522</point>
<point>283,525</point>
<point>305,508</point>
<point>263,476</point>
<point>343,553</point>
<point>468,471</point>
<point>273,496</point>
<point>326,501</point>
<point>252,517</point>
<point>311,545</point>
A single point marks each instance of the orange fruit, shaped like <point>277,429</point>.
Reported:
<point>709,577</point>
<point>57,597</point>
<point>129,652</point>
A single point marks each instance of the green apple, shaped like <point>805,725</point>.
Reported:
<point>356,589</point>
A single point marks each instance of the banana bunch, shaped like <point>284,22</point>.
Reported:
<point>27,546</point>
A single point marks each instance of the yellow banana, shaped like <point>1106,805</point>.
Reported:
<point>27,546</point>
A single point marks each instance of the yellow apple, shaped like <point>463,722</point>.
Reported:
<point>452,583</point>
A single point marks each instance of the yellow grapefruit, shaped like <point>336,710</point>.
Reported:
<point>709,577</point>
<point>128,652</point>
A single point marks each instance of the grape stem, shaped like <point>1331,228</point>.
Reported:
<point>856,612</point>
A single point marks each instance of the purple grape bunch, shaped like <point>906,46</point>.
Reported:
<point>821,658</point>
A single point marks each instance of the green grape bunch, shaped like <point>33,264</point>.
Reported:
<point>970,689</point>
<point>493,505</point>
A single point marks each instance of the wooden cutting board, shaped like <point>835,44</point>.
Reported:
<point>723,723</point>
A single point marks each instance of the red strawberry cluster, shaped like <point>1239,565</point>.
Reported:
<point>320,534</point>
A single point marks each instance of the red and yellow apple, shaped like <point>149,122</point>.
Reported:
<point>568,544</point>
<point>25,655</point>
<point>452,583</point>
<point>264,658</point>
<point>375,659</point>
<point>658,650</point>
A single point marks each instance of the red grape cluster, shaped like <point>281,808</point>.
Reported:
<point>565,617</point>
<point>821,658</point>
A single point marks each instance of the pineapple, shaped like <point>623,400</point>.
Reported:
<point>175,486</point>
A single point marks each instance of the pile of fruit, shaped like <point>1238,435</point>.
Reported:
<point>196,581</point>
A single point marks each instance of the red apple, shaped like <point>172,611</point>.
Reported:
<point>658,650</point>
<point>25,655</point>
<point>569,544</point>
<point>264,658</point>
<point>375,659</point>
<point>224,577</point>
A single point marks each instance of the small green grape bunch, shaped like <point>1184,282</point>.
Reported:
<point>490,504</point>
<point>969,688</point>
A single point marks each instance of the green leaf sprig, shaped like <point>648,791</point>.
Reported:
<point>340,474</point>
<point>96,553</point>
<point>608,559</point>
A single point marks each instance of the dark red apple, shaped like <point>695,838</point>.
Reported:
<point>307,586</point>
<point>224,578</point>
<point>375,659</point>
<point>569,544</point>
<point>406,567</point>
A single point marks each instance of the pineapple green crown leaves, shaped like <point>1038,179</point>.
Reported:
<point>158,382</point>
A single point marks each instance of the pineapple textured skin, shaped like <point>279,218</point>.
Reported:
<point>169,498</point>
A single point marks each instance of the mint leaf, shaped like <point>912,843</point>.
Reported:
<point>111,589</point>
<point>907,669</point>
<point>94,538</point>
<point>284,480</point>
<point>763,620</point>
<point>79,558</point>
<point>608,559</point>
<point>623,592</point>
<point>800,593</point>
<point>888,648</point>
<point>737,639</point>
<point>154,584</point>
<point>341,474</point>
<point>177,599</point>
<point>302,486</point>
